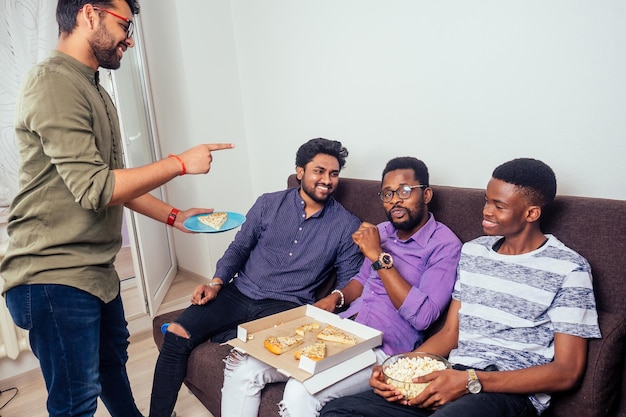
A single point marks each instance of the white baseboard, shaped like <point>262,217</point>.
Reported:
<point>25,362</point>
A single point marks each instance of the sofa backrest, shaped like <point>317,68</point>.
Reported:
<point>594,227</point>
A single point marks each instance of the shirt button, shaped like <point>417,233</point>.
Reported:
<point>299,228</point>
<point>295,241</point>
<point>290,254</point>
<point>303,215</point>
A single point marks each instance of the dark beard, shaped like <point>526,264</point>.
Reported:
<point>108,59</point>
<point>105,54</point>
<point>312,196</point>
<point>415,218</point>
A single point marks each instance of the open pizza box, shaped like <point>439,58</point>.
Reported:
<point>341,360</point>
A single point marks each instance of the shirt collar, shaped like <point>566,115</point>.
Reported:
<point>87,71</point>
<point>301,204</point>
<point>421,237</point>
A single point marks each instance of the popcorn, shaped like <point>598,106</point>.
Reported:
<point>400,371</point>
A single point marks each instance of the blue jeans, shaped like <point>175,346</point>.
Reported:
<point>486,404</point>
<point>81,345</point>
<point>219,317</point>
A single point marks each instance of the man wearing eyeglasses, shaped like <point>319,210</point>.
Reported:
<point>522,311</point>
<point>403,286</point>
<point>65,222</point>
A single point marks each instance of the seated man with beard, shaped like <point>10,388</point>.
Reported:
<point>522,311</point>
<point>404,284</point>
<point>290,243</point>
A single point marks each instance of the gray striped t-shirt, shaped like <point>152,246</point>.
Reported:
<point>512,305</point>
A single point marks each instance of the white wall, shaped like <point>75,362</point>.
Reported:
<point>463,85</point>
<point>195,87</point>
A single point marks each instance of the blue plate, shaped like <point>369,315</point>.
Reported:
<point>194,225</point>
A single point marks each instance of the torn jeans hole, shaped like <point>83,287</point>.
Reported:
<point>234,359</point>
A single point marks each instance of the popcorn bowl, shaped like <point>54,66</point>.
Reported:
<point>399,370</point>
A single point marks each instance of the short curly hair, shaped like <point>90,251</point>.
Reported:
<point>313,147</point>
<point>420,171</point>
<point>535,179</point>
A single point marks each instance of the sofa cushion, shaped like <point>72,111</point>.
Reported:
<point>590,226</point>
<point>599,392</point>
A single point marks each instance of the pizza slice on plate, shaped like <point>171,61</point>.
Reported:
<point>215,220</point>
<point>316,351</point>
<point>281,344</point>
<point>333,334</point>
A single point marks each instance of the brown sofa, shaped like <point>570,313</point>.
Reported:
<point>594,227</point>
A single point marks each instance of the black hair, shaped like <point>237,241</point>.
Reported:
<point>313,147</point>
<point>420,171</point>
<point>535,179</point>
<point>67,10</point>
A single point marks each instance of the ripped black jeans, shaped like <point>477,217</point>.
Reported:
<point>217,319</point>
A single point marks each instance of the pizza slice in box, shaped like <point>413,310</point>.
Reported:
<point>316,351</point>
<point>333,334</point>
<point>280,344</point>
<point>307,327</point>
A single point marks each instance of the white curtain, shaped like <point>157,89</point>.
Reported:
<point>28,32</point>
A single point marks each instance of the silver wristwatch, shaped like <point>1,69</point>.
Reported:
<point>473,384</point>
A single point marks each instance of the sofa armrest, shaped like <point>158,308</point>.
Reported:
<point>599,391</point>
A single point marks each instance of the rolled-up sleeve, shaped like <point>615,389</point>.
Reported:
<point>426,301</point>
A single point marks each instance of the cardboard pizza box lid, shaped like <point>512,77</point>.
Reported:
<point>341,360</point>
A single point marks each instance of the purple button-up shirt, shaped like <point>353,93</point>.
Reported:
<point>280,254</point>
<point>428,261</point>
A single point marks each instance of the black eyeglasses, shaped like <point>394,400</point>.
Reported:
<point>131,26</point>
<point>402,192</point>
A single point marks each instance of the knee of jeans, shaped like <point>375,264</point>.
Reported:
<point>295,390</point>
<point>178,330</point>
<point>298,399</point>
<point>176,345</point>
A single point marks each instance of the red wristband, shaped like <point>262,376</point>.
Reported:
<point>172,217</point>
<point>182,164</point>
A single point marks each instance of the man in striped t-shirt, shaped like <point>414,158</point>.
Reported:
<point>523,306</point>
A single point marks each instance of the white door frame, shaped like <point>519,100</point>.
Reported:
<point>152,243</point>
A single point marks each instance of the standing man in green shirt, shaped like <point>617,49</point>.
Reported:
<point>65,223</point>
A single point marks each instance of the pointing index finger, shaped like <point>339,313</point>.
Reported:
<point>220,146</point>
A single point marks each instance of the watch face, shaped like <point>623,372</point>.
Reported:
<point>474,386</point>
<point>384,261</point>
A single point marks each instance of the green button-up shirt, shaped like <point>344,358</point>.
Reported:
<point>60,228</point>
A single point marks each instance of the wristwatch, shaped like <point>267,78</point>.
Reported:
<point>384,261</point>
<point>473,384</point>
